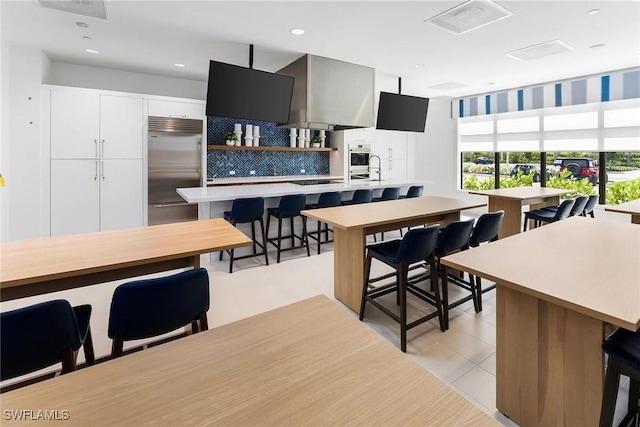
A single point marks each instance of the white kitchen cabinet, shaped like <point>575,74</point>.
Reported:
<point>121,127</point>
<point>95,195</point>
<point>75,121</point>
<point>185,110</point>
<point>89,125</point>
<point>391,146</point>
<point>96,161</point>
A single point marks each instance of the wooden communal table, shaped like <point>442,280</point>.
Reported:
<point>309,363</point>
<point>351,224</point>
<point>511,200</point>
<point>557,286</point>
<point>39,266</point>
<point>632,207</point>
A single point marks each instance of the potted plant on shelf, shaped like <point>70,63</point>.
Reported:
<point>316,141</point>
<point>230,138</point>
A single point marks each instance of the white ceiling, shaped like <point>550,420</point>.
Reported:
<point>390,36</point>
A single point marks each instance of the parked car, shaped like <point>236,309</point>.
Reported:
<point>582,167</point>
<point>484,161</point>
<point>528,170</point>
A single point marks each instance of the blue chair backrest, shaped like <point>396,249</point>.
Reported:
<point>363,195</point>
<point>147,308</point>
<point>591,203</point>
<point>390,193</point>
<point>564,209</point>
<point>454,237</point>
<point>291,205</point>
<point>578,205</point>
<point>329,199</point>
<point>415,191</point>
<point>487,228</point>
<point>248,209</point>
<point>418,244</point>
<point>34,337</point>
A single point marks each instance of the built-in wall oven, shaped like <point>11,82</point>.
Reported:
<point>359,161</point>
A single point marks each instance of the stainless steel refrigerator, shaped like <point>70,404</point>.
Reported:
<point>175,147</point>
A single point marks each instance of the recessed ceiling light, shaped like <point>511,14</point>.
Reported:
<point>593,11</point>
<point>92,51</point>
<point>86,37</point>
<point>491,83</point>
<point>597,46</point>
<point>420,66</point>
<point>180,65</point>
<point>297,31</point>
<point>82,24</point>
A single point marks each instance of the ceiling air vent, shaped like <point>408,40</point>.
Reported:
<point>92,8</point>
<point>539,50</point>
<point>469,16</point>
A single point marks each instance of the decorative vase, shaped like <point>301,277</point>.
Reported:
<point>256,136</point>
<point>315,145</point>
<point>292,137</point>
<point>248,131</point>
<point>230,142</point>
<point>323,137</point>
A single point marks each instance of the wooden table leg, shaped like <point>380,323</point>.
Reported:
<point>549,364</point>
<point>348,266</point>
<point>512,215</point>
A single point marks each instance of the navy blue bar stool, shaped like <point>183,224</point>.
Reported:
<point>453,238</point>
<point>152,307</point>
<point>591,204</point>
<point>289,207</point>
<point>414,191</point>
<point>416,246</point>
<point>541,215</point>
<point>41,335</point>
<point>326,200</point>
<point>244,211</point>
<point>623,348</point>
<point>389,193</point>
<point>363,195</point>
<point>486,230</point>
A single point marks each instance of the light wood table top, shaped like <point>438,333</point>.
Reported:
<point>31,267</point>
<point>632,207</point>
<point>521,193</point>
<point>591,266</point>
<point>308,363</point>
<point>511,201</point>
<point>557,287</point>
<point>389,212</point>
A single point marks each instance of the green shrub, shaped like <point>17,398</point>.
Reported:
<point>566,180</point>
<point>624,191</point>
<point>473,183</point>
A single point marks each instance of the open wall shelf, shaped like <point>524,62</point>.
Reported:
<point>264,148</point>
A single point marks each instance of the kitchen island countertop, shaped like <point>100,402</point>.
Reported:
<point>231,192</point>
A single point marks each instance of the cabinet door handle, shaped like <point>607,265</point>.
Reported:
<point>95,174</point>
<point>95,142</point>
<point>102,148</point>
<point>102,168</point>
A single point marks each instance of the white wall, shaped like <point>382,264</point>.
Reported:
<point>435,151</point>
<point>64,74</point>
<point>4,130</point>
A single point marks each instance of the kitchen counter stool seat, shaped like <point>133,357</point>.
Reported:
<point>454,238</point>
<point>414,191</point>
<point>362,195</point>
<point>623,348</point>
<point>328,199</point>
<point>485,230</point>
<point>151,307</point>
<point>417,246</point>
<point>289,207</point>
<point>41,335</point>
<point>243,211</point>
<point>389,193</point>
<point>540,215</point>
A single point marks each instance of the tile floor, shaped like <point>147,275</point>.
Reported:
<point>463,357</point>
